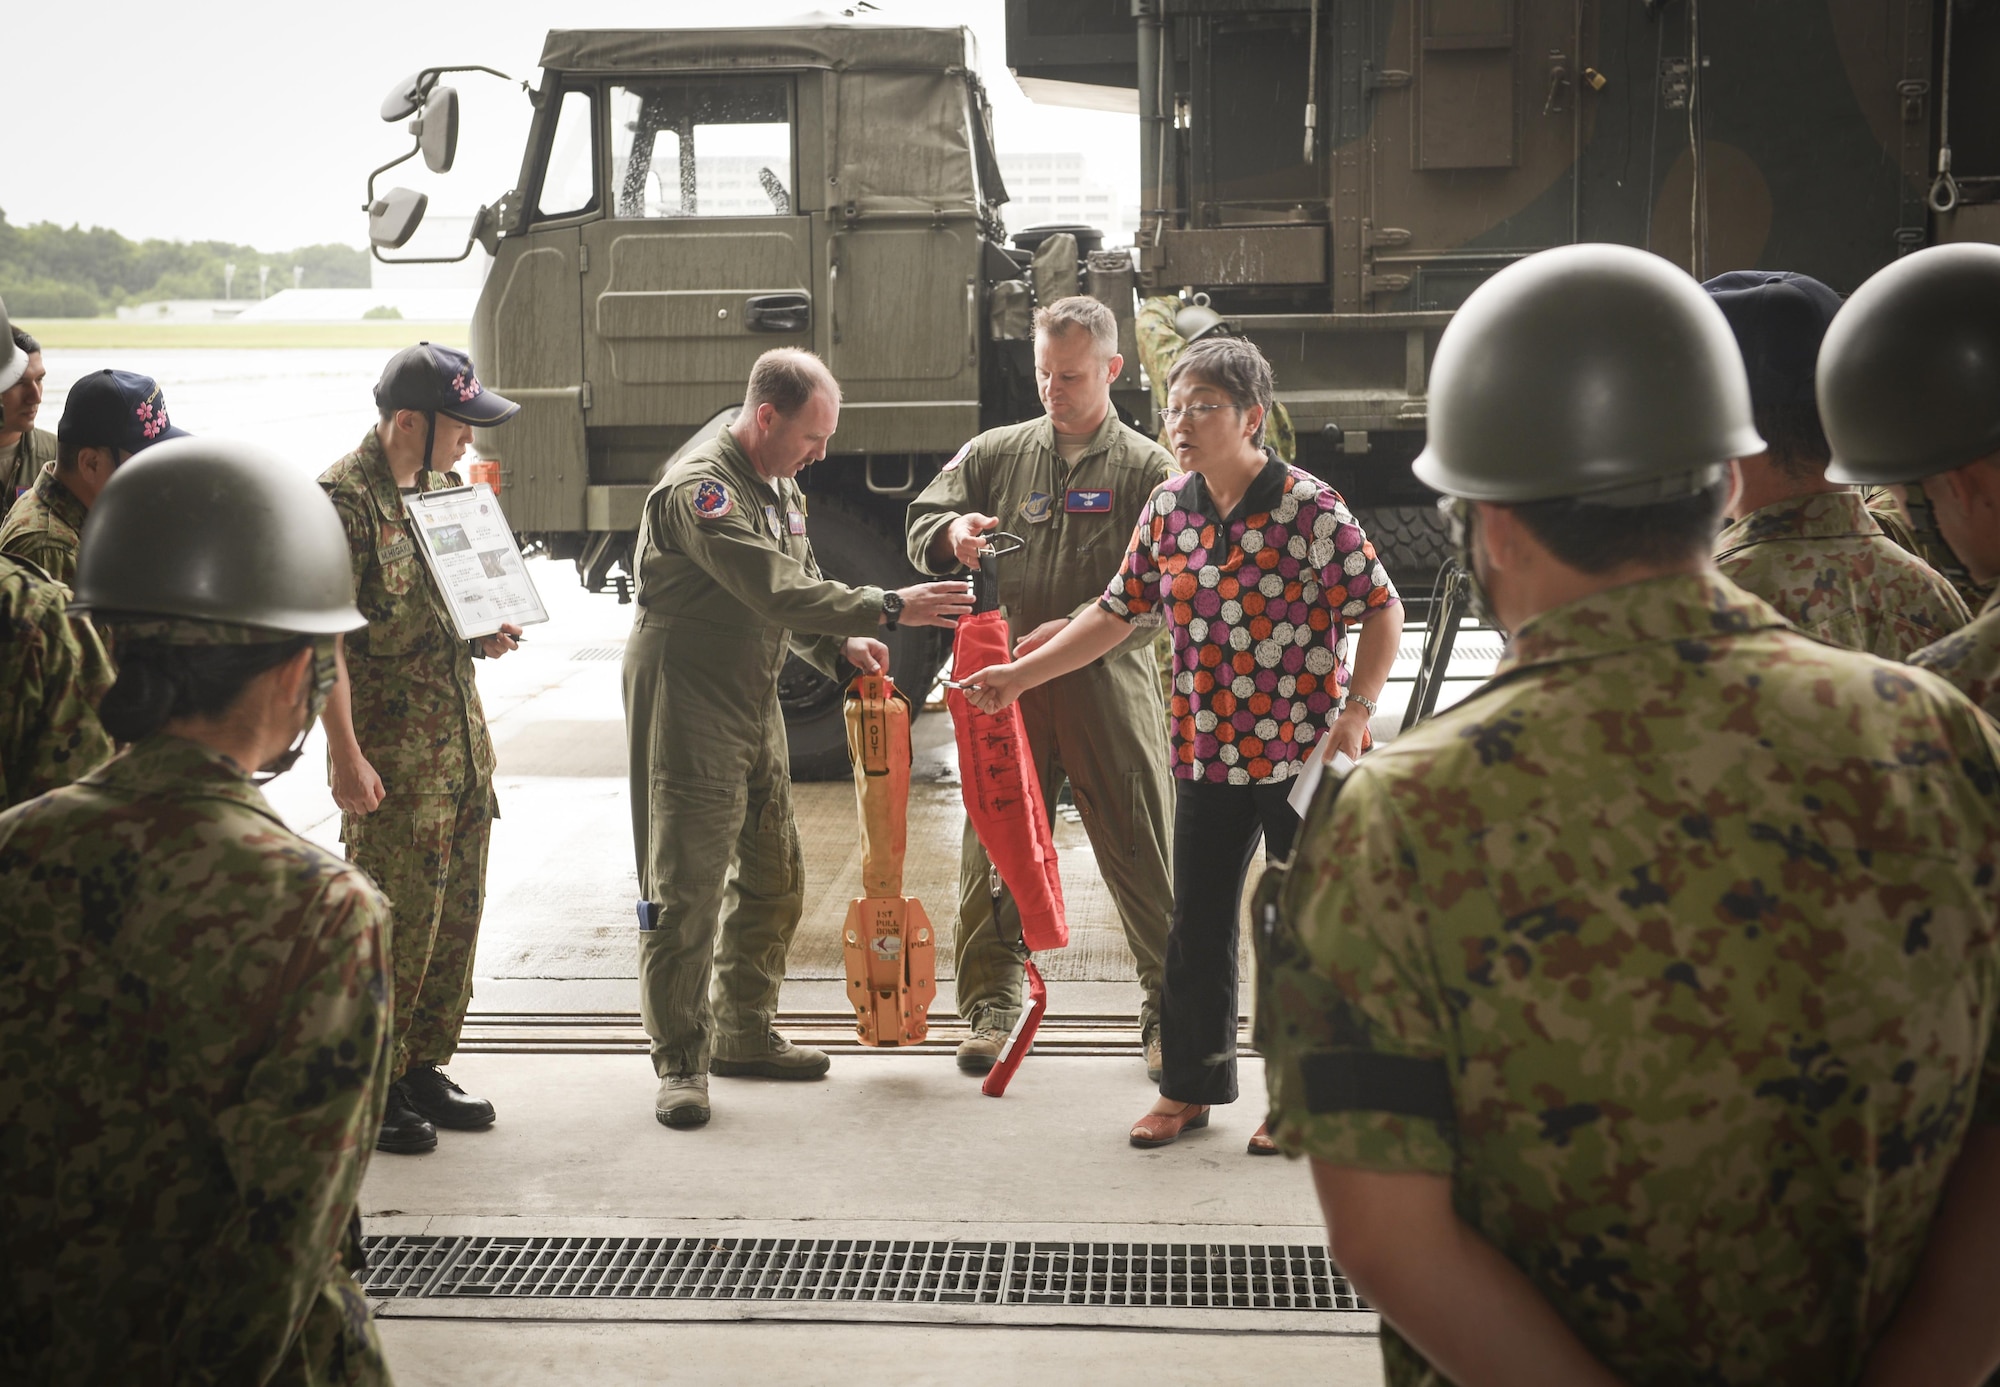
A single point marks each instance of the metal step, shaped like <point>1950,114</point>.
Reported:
<point>621,1033</point>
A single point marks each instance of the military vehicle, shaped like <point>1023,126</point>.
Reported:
<point>1335,175</point>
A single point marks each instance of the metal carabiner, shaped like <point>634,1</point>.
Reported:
<point>993,551</point>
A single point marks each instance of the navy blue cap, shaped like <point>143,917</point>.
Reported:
<point>1778,318</point>
<point>116,409</point>
<point>431,378</point>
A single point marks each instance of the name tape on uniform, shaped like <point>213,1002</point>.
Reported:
<point>1087,502</point>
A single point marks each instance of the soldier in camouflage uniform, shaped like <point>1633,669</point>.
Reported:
<point>1808,546</point>
<point>195,1030</point>
<point>108,417</point>
<point>1636,1011</point>
<point>1165,328</point>
<point>54,670</point>
<point>1910,387</point>
<point>728,588</point>
<point>409,757</point>
<point>24,449</point>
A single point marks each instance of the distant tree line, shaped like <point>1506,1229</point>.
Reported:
<point>51,271</point>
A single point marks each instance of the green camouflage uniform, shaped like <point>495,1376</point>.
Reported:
<point>1104,727</point>
<point>1160,346</point>
<point>195,1046</point>
<point>54,670</point>
<point>1970,658</point>
<point>419,722</point>
<point>728,587</point>
<point>45,526</point>
<point>1827,565</point>
<point>1673,948</point>
<point>21,463</point>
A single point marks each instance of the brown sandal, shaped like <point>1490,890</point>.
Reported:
<point>1165,1128</point>
<point>1261,1143</point>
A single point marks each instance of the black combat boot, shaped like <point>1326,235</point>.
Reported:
<point>431,1092</point>
<point>404,1130</point>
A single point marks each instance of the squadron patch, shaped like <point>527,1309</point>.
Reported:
<point>956,459</point>
<point>712,500</point>
<point>771,519</point>
<point>1038,507</point>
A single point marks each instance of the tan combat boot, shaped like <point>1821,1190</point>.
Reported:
<point>978,1051</point>
<point>779,1059</point>
<point>682,1100</point>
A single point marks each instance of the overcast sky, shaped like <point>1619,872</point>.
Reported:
<point>258,123</point>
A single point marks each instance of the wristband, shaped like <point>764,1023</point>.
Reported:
<point>1366,702</point>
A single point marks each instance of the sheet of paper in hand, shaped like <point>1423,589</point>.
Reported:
<point>470,549</point>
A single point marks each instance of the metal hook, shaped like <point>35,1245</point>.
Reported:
<point>993,551</point>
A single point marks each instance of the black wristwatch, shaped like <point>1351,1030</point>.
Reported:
<point>892,607</point>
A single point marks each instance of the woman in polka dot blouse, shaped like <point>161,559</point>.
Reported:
<point>1258,569</point>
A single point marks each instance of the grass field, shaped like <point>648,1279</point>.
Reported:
<point>111,334</point>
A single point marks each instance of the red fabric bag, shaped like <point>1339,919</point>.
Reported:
<point>1002,797</point>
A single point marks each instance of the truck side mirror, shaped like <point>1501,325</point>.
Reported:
<point>393,217</point>
<point>406,98</point>
<point>437,129</point>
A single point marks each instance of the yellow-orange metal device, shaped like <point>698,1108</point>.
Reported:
<point>888,943</point>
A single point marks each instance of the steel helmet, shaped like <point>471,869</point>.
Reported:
<point>205,530</point>
<point>1197,320</point>
<point>13,362</point>
<point>1909,373</point>
<point>1591,371</point>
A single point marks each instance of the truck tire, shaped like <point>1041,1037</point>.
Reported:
<point>1412,542</point>
<point>854,547</point>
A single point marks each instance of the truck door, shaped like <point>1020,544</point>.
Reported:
<point>902,255</point>
<point>704,260</point>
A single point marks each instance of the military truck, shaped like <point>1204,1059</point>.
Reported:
<point>1336,175</point>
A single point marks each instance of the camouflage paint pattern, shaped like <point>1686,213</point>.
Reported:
<point>55,671</point>
<point>195,1033</point>
<point>45,526</point>
<point>1969,658</point>
<point>1829,568</point>
<point>22,463</point>
<point>1161,345</point>
<point>1674,949</point>
<point>419,721</point>
<point>428,854</point>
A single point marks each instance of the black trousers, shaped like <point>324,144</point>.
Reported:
<point>1216,828</point>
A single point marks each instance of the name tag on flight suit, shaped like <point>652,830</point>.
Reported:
<point>1087,502</point>
<point>797,522</point>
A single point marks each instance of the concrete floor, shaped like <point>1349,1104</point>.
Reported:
<point>889,1146</point>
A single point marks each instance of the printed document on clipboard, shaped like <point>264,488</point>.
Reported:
<point>471,551</point>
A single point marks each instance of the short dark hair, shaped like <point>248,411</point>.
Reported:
<point>158,682</point>
<point>785,378</point>
<point>1796,438</point>
<point>28,346</point>
<point>1599,538</point>
<point>1234,366</point>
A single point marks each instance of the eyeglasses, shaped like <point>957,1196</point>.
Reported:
<point>1170,417</point>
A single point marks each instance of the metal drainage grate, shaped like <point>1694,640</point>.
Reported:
<point>1214,1276</point>
<point>600,652</point>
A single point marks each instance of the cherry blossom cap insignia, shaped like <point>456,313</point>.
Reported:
<point>116,409</point>
<point>432,378</point>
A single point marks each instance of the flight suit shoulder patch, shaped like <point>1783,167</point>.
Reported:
<point>712,500</point>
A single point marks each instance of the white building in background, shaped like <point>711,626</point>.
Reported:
<point>1059,188</point>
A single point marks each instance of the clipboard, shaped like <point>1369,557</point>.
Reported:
<point>469,548</point>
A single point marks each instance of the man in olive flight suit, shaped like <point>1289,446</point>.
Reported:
<point>728,587</point>
<point>1072,486</point>
<point>1909,384</point>
<point>410,760</point>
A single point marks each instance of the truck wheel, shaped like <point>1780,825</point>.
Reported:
<point>854,547</point>
<point>1412,542</point>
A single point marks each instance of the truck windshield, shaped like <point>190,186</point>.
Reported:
<point>703,147</point>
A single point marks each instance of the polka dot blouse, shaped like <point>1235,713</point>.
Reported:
<point>1259,602</point>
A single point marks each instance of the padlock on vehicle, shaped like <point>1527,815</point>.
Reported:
<point>887,943</point>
